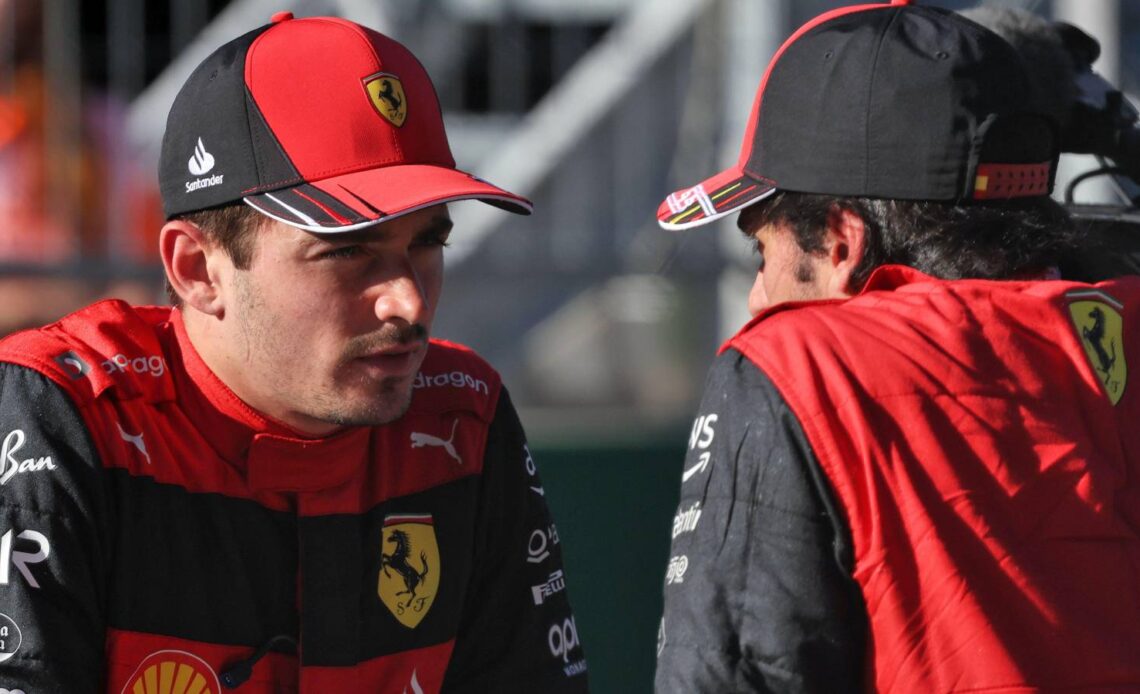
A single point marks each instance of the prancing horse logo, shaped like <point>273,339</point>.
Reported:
<point>1100,328</point>
<point>387,95</point>
<point>409,567</point>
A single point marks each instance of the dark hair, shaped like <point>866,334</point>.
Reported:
<point>232,227</point>
<point>979,240</point>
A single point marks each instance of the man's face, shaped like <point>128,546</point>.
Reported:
<point>786,272</point>
<point>330,330</point>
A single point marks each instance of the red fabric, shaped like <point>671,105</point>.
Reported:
<point>130,652</point>
<point>336,101</point>
<point>991,487</point>
<point>264,460</point>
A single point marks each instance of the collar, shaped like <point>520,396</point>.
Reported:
<point>883,278</point>
<point>272,456</point>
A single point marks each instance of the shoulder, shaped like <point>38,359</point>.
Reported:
<point>108,345</point>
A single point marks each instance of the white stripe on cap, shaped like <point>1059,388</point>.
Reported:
<point>301,215</point>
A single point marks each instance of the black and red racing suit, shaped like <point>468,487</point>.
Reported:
<point>161,536</point>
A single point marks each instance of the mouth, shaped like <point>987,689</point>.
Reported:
<point>396,361</point>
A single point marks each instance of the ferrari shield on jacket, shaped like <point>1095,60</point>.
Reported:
<point>160,536</point>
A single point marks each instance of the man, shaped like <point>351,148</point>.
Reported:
<point>281,484</point>
<point>915,470</point>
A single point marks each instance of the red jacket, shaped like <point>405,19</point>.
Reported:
<point>982,440</point>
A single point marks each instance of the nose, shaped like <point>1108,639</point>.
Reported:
<point>758,297</point>
<point>400,294</point>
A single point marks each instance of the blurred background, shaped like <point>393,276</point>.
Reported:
<point>601,324</point>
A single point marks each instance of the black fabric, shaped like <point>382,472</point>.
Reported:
<point>212,108</point>
<point>891,102</point>
<point>56,629</point>
<point>758,595</point>
<point>171,544</point>
<point>492,653</point>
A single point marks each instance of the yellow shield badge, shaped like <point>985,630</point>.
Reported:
<point>1100,328</point>
<point>409,567</point>
<point>387,95</point>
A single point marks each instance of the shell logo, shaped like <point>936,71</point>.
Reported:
<point>173,672</point>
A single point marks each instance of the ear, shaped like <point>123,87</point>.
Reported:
<point>846,245</point>
<point>193,266</point>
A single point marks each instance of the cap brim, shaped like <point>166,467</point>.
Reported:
<point>363,198</point>
<point>727,192</point>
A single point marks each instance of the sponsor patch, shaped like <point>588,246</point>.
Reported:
<point>415,685</point>
<point>74,365</point>
<point>1100,328</point>
<point>121,363</point>
<point>409,567</point>
<point>386,93</point>
<point>420,439</point>
<point>701,437</point>
<point>686,520</point>
<point>172,672</point>
<point>555,583</point>
<point>563,640</point>
<point>10,463</point>
<point>540,542</point>
<point>20,559</point>
<point>451,379</point>
<point>135,440</point>
<point>10,640</point>
<point>676,572</point>
<point>562,637</point>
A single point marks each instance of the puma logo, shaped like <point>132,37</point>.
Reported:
<point>134,439</point>
<point>419,440</point>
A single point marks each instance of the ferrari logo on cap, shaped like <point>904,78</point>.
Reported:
<point>387,95</point>
<point>1100,328</point>
<point>409,567</point>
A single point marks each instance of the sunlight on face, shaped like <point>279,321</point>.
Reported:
<point>330,330</point>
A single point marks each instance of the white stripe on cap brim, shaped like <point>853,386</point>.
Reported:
<point>256,204</point>
<point>717,196</point>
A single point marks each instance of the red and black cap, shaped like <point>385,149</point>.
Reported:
<point>320,123</point>
<point>885,101</point>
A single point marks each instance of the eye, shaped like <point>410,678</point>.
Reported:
<point>759,251</point>
<point>437,239</point>
<point>341,252</point>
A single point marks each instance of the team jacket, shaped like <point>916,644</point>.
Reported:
<point>160,537</point>
<point>936,488</point>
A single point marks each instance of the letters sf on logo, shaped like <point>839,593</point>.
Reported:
<point>409,567</point>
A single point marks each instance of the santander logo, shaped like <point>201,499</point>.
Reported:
<point>202,161</point>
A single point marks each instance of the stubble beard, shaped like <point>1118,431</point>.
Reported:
<point>335,403</point>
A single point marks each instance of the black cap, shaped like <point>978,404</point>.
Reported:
<point>885,101</point>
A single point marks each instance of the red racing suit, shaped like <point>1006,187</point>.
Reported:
<point>161,536</point>
<point>965,452</point>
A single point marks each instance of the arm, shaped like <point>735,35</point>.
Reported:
<point>52,551</point>
<point>758,592</point>
<point>517,633</point>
